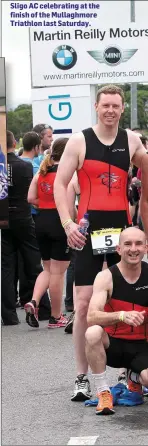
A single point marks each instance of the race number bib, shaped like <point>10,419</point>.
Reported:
<point>104,241</point>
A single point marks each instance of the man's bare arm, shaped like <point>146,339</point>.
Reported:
<point>137,150</point>
<point>33,191</point>
<point>71,159</point>
<point>144,194</point>
<point>72,190</point>
<point>68,165</point>
<point>102,291</point>
<point>140,159</point>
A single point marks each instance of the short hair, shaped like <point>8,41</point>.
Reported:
<point>110,89</point>
<point>41,128</point>
<point>10,140</point>
<point>30,140</point>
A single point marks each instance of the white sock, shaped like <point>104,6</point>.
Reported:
<point>134,377</point>
<point>100,382</point>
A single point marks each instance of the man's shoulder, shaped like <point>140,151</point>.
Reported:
<point>144,265</point>
<point>132,136</point>
<point>20,164</point>
<point>26,161</point>
<point>105,277</point>
<point>25,164</point>
<point>75,139</point>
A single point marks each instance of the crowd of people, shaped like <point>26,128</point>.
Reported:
<point>101,171</point>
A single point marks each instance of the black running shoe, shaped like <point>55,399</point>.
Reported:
<point>31,314</point>
<point>69,325</point>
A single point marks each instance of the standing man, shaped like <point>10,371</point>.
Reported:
<point>45,132</point>
<point>101,155</point>
<point>31,149</point>
<point>20,236</point>
<point>117,318</point>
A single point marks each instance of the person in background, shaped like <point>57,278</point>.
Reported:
<point>135,188</point>
<point>45,132</point>
<point>19,237</point>
<point>31,148</point>
<point>51,238</point>
<point>28,152</point>
<point>144,141</point>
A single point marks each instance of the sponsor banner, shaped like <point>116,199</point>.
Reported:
<point>109,49</point>
<point>3,151</point>
<point>66,109</point>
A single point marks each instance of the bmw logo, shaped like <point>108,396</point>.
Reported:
<point>64,57</point>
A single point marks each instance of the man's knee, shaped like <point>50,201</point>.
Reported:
<point>144,377</point>
<point>83,296</point>
<point>93,335</point>
<point>81,310</point>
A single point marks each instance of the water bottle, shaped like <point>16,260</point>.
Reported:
<point>83,227</point>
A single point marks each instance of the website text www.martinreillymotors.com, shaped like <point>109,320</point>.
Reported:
<point>95,75</point>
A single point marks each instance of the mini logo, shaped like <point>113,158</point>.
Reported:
<point>112,55</point>
<point>64,57</point>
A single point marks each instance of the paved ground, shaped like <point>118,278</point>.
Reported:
<point>38,372</point>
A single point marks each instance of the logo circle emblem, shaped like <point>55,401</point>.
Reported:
<point>64,57</point>
<point>112,55</point>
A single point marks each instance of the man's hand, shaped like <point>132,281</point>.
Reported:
<point>134,318</point>
<point>74,237</point>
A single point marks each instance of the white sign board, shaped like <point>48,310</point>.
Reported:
<point>89,47</point>
<point>66,109</point>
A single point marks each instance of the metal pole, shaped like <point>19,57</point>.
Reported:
<point>132,10</point>
<point>134,115</point>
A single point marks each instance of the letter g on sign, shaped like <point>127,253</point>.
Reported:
<point>62,106</point>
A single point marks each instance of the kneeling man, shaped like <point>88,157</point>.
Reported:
<point>117,333</point>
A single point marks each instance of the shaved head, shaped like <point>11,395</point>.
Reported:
<point>132,246</point>
<point>130,233</point>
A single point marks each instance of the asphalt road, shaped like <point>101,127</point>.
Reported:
<point>38,373</point>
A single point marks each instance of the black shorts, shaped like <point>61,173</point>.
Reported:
<point>87,265</point>
<point>51,236</point>
<point>129,354</point>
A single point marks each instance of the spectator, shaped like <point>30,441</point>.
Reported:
<point>20,236</point>
<point>45,132</point>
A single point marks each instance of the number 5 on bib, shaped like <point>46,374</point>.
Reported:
<point>104,241</point>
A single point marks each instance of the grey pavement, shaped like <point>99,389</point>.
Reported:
<point>38,373</point>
